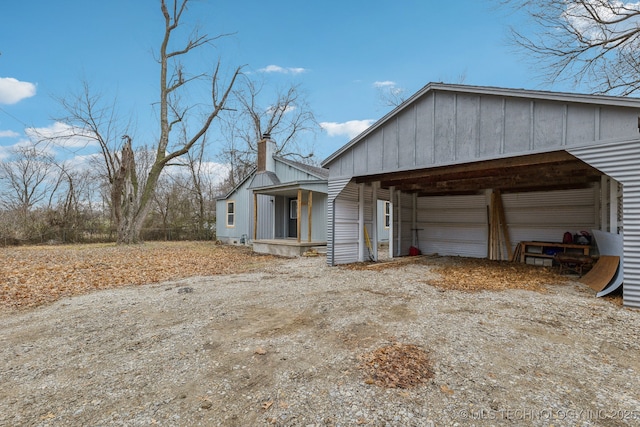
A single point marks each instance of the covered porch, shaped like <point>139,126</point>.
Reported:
<point>289,219</point>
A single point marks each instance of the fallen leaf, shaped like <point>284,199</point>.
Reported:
<point>445,389</point>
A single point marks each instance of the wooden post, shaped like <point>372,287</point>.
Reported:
<point>309,215</point>
<point>255,216</point>
<point>299,213</point>
<point>505,228</point>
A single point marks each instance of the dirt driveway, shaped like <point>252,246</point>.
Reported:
<point>286,345</point>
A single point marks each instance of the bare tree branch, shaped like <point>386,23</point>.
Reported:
<point>592,42</point>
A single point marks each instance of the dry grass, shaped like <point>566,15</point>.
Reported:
<point>36,275</point>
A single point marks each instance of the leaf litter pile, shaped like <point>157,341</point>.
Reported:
<point>397,366</point>
<point>37,275</point>
<point>476,274</point>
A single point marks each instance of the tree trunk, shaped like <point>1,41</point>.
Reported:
<point>125,197</point>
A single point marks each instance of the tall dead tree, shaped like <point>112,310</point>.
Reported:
<point>181,124</point>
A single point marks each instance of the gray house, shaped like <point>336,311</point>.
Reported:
<point>561,162</point>
<point>280,207</point>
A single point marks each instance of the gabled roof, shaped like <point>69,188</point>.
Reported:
<point>616,101</point>
<point>318,172</point>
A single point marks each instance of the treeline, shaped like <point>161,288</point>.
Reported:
<point>42,201</point>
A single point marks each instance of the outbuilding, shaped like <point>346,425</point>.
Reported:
<point>558,162</point>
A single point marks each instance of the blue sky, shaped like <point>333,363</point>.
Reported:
<point>338,51</point>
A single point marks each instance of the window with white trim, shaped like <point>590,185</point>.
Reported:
<point>387,214</point>
<point>231,213</point>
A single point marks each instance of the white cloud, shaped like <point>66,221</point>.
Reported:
<point>13,91</point>
<point>8,134</point>
<point>352,128</point>
<point>63,135</point>
<point>282,70</point>
<point>386,83</point>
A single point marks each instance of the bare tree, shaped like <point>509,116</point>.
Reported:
<point>285,115</point>
<point>131,197</point>
<point>587,42</point>
<point>391,95</point>
<point>28,178</point>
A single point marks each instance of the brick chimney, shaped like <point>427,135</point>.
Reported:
<point>266,148</point>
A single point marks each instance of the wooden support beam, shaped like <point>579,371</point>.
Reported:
<point>298,215</point>
<point>309,215</point>
<point>255,216</point>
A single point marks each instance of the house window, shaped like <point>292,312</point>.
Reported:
<point>293,209</point>
<point>387,214</point>
<point>231,214</point>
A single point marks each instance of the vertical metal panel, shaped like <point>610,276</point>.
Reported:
<point>547,215</point>
<point>407,134</point>
<point>319,213</point>
<point>266,217</point>
<point>620,161</point>
<point>345,233</point>
<point>404,213</point>
<point>338,214</point>
<point>452,225</point>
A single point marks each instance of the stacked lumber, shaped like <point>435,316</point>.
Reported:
<point>499,243</point>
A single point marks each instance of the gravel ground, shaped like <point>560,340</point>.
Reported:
<point>285,346</point>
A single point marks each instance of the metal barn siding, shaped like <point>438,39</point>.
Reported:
<point>546,215</point>
<point>449,124</point>
<point>621,161</point>
<point>335,188</point>
<point>345,231</point>
<point>453,225</point>
<point>403,226</point>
